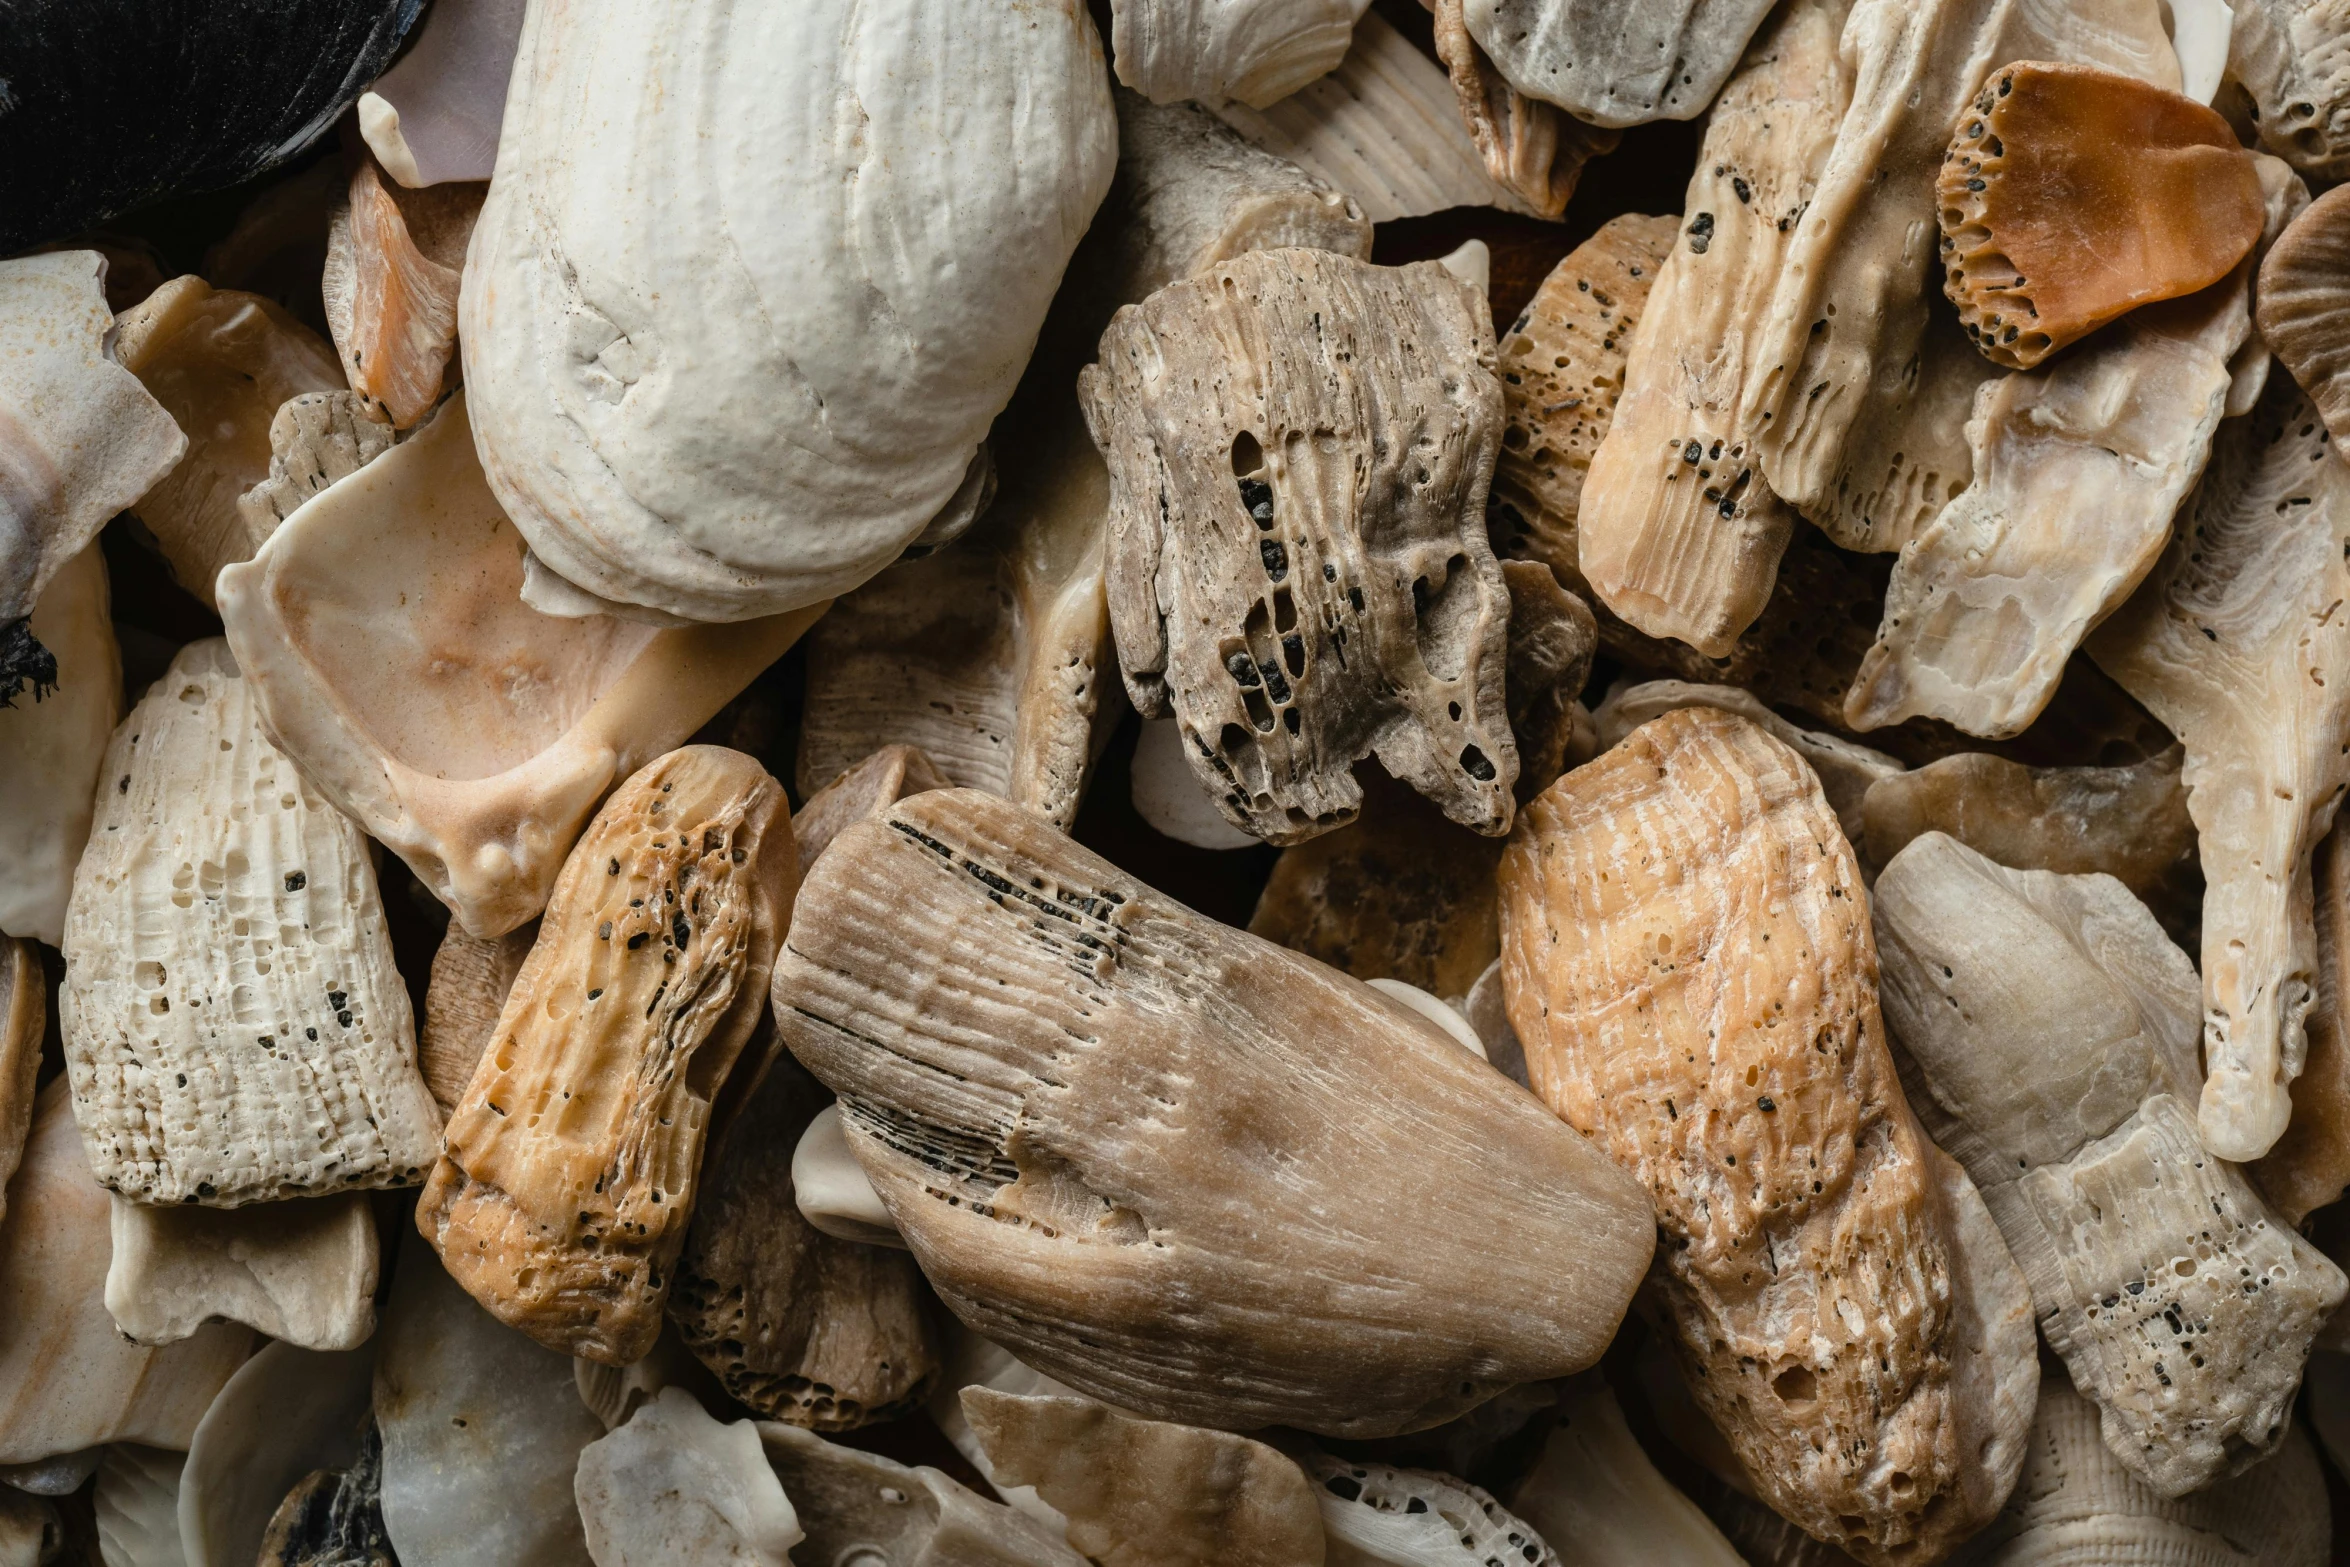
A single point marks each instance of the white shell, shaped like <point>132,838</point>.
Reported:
<point>675,1488</point>
<point>1454,1026</point>
<point>1169,797</point>
<point>1257,51</point>
<point>50,750</point>
<point>286,1412</point>
<point>434,115</point>
<point>300,1271</point>
<point>831,1187</point>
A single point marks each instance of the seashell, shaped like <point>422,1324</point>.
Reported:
<point>972,1361</point>
<point>1168,796</point>
<point>137,1502</point>
<point>51,748</point>
<point>1552,636</point>
<point>567,1224</point>
<point>860,1507</point>
<point>2287,55</point>
<point>1828,1377</point>
<point>61,1475</point>
<point>674,1486</point>
<point>24,1017</point>
<point>1597,1499</point>
<point>797,1325</point>
<point>2071,195</point>
<point>84,441</point>
<point>314,439</point>
<point>2304,305</point>
<point>1257,52</point>
<point>481,1431</point>
<point>617,401</point>
<point>234,1027</point>
<point>1617,62</point>
<point>614,1393</point>
<point>866,789</point>
<point>2052,1025</point>
<point>2233,643</point>
<point>2200,31</point>
<point>1028,1201</point>
<point>832,1191</point>
<point>434,116</point>
<point>1377,1515</point>
<point>96,130</point>
<point>1245,412</point>
<point>222,364</point>
<point>31,1533</point>
<point>1147,1490</point>
<point>333,1518</point>
<point>277,246</point>
<point>471,735</point>
<point>393,260</point>
<point>1532,150</point>
<point>286,1411</point>
<point>1562,368</point>
<point>471,979</point>
<point>2309,1167</point>
<point>304,1272</point>
<point>1486,1010</point>
<point>68,1380</point>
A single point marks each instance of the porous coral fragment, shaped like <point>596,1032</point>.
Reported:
<point>2304,304</point>
<point>2071,195</point>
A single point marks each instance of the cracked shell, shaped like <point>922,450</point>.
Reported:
<point>393,261</point>
<point>1531,148</point>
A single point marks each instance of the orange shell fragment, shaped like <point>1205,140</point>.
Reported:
<point>2071,195</point>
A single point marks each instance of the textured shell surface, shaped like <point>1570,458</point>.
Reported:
<point>471,978</point>
<point>1062,1085</point>
<point>1254,51</point>
<point>51,746</point>
<point>314,439</point>
<point>24,1016</point>
<point>2304,305</point>
<point>136,1501</point>
<point>1533,149</point>
<point>2309,1166</point>
<point>1618,62</point>
<point>2293,58</point>
<point>393,262</point>
<point>674,1486</point>
<point>752,281</point>
<point>287,1412</point>
<point>859,1507</point>
<point>1380,1515</point>
<point>235,1029</point>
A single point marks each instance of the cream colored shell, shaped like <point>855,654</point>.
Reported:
<point>303,1272</point>
<point>1255,51</point>
<point>675,1488</point>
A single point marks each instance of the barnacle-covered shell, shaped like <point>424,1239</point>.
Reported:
<point>625,390</point>
<point>2309,1166</point>
<point>393,260</point>
<point>2291,59</point>
<point>1083,1103</point>
<point>303,1272</point>
<point>2237,643</point>
<point>1254,51</point>
<point>1617,62</point>
<point>434,116</point>
<point>675,1488</point>
<point>234,1026</point>
<point>2304,304</point>
<point>470,734</point>
<point>51,745</point>
<point>1690,970</point>
<point>1531,148</point>
<point>860,1507</point>
<point>571,1164</point>
<point>1298,561</point>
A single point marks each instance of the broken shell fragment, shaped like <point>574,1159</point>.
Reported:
<point>1552,637</point>
<point>1061,1195</point>
<point>1168,795</point>
<point>860,1507</point>
<point>866,789</point>
<point>471,979</point>
<point>972,1361</point>
<point>1597,1500</point>
<point>24,1017</point>
<point>31,1533</point>
<point>398,667</point>
<point>434,116</point>
<point>673,1486</point>
<point>314,439</point>
<point>1617,62</point>
<point>614,1393</point>
<point>1747,1081</point>
<point>286,1412</point>
<point>2309,1166</point>
<point>2287,55</point>
<point>2304,305</point>
<point>831,1189</point>
<point>1256,52</point>
<point>1379,1515</point>
<point>392,265</point>
<point>234,1027</point>
<point>303,1272</point>
<point>2071,195</point>
<point>51,746</point>
<point>1314,618</point>
<point>1531,148</point>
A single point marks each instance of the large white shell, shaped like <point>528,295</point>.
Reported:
<point>434,115</point>
<point>50,748</point>
<point>286,1412</point>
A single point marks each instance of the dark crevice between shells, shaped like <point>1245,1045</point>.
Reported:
<point>24,662</point>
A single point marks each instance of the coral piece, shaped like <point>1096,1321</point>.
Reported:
<point>1596,1499</point>
<point>2304,305</point>
<point>1617,62</point>
<point>434,116</point>
<point>1807,1267</point>
<point>471,978</point>
<point>314,439</point>
<point>2309,1166</point>
<point>861,1507</point>
<point>393,259</point>
<point>1299,446</point>
<point>1380,1515</point>
<point>2291,59</point>
<point>2237,643</point>
<point>1080,1102</point>
<point>2071,195</point>
<point>51,746</point>
<point>285,1413</point>
<point>675,1486</point>
<point>1254,51</point>
<point>303,1272</point>
<point>24,1016</point>
<point>234,1026</point>
<point>1532,149</point>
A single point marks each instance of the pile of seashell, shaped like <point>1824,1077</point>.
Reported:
<point>640,716</point>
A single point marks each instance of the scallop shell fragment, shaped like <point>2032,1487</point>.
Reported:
<point>1254,51</point>
<point>2304,305</point>
<point>51,747</point>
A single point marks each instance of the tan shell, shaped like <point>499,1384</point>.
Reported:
<point>569,1175</point>
<point>222,363</point>
<point>1064,1086</point>
<point>2309,1166</point>
<point>1255,51</point>
<point>1907,457</point>
<point>2237,644</point>
<point>234,1026</point>
<point>470,981</point>
<point>858,1507</point>
<point>867,789</point>
<point>1598,1501</point>
<point>473,736</point>
<point>1690,970</point>
<point>2304,305</point>
<point>24,1016</point>
<point>1361,611</point>
<point>1532,149</point>
<point>1147,1493</point>
<point>314,439</point>
<point>393,260</point>
<point>51,747</point>
<point>303,1271</point>
<point>2288,57</point>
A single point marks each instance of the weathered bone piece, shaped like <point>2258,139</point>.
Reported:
<point>1617,62</point>
<point>673,1486</point>
<point>1808,1268</point>
<point>570,1171</point>
<point>1595,1498</point>
<point>434,116</point>
<point>1032,1080</point>
<point>473,736</point>
<point>24,1017</point>
<point>619,398</point>
<point>2071,195</point>
<point>1380,1515</point>
<point>234,1026</point>
<point>2288,56</point>
<point>303,1272</point>
<point>2309,1167</point>
<point>860,1507</point>
<point>1533,149</point>
<point>1137,1491</point>
<point>314,439</point>
<point>2235,642</point>
<point>2053,1025</point>
<point>1255,52</point>
<point>1297,553</point>
<point>51,746</point>
<point>467,991</point>
<point>2304,305</point>
<point>286,1413</point>
<point>393,259</point>
<point>222,364</point>
<point>84,441</point>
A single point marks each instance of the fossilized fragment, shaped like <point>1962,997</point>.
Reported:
<point>286,1412</point>
<point>68,1379</point>
<point>674,1486</point>
<point>1379,1515</point>
<point>1254,51</point>
<point>1596,1499</point>
<point>434,116</point>
<point>1689,967</point>
<point>221,363</point>
<point>393,260</point>
<point>1297,558</point>
<point>84,440</point>
<point>2236,642</point>
<point>303,1272</point>
<point>2309,1166</point>
<point>24,1016</point>
<point>234,1027</point>
<point>860,1507</point>
<point>1146,1493</point>
<point>2053,1025</point>
<point>470,981</point>
<point>398,666</point>
<point>1533,149</point>
<point>1617,62</point>
<point>619,399</point>
<point>2291,57</point>
<point>866,789</point>
<point>2304,304</point>
<point>2071,195</point>
<point>1072,1136</point>
<point>314,439</point>
<point>570,1171</point>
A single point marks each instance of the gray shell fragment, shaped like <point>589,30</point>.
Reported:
<point>1617,62</point>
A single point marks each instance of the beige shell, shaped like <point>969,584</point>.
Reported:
<point>858,1507</point>
<point>1597,1500</point>
<point>675,1488</point>
<point>470,980</point>
<point>2237,643</point>
<point>1690,970</point>
<point>1297,551</point>
<point>1906,455</point>
<point>51,747</point>
<point>2304,304</point>
<point>570,1169</point>
<point>222,363</point>
<point>31,1533</point>
<point>1382,1515</point>
<point>1531,148</point>
<point>2290,58</point>
<point>304,1271</point>
<point>234,1027</point>
<point>470,734</point>
<point>972,1361</point>
<point>1256,52</point>
<point>286,1413</point>
<point>136,1501</point>
<point>1080,1100</point>
<point>1618,62</point>
<point>24,1016</point>
<point>314,439</point>
<point>2309,1166</point>
<point>867,789</point>
<point>613,1394</point>
<point>393,260</point>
